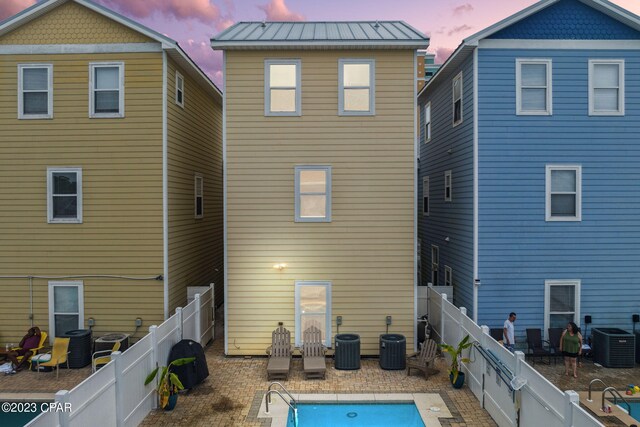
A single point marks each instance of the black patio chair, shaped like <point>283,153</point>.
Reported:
<point>535,345</point>
<point>496,334</point>
<point>554,342</point>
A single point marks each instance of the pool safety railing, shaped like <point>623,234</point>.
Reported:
<point>616,395</point>
<point>276,383</point>
<point>293,405</point>
<point>596,380</point>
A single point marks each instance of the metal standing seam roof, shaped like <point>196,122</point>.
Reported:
<point>320,34</point>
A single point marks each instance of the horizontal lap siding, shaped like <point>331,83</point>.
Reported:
<point>367,249</point>
<point>450,148</point>
<point>194,146</point>
<point>121,161</point>
<point>518,249</point>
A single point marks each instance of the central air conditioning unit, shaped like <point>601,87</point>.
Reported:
<point>106,342</point>
<point>614,348</point>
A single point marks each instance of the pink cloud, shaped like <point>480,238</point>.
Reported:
<point>277,10</point>
<point>442,53</point>
<point>459,29</point>
<point>224,24</point>
<point>459,10</point>
<point>202,54</point>
<point>11,7</point>
<point>201,10</point>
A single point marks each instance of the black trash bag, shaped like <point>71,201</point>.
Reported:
<point>190,374</point>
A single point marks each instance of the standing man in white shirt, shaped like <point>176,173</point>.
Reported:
<point>508,333</point>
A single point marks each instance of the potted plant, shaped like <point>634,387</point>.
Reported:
<point>457,377</point>
<point>168,384</point>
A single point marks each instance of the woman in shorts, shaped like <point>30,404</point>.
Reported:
<point>571,348</point>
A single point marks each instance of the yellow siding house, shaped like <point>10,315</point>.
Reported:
<point>110,172</point>
<point>319,140</point>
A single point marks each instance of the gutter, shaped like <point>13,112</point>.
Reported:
<point>165,189</point>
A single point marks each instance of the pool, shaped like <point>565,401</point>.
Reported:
<point>357,414</point>
<point>635,407</point>
<point>17,419</point>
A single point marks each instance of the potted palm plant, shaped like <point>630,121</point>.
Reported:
<point>168,384</point>
<point>455,376</point>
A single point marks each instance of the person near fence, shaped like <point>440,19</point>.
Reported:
<point>571,348</point>
<point>30,341</point>
<point>509,332</point>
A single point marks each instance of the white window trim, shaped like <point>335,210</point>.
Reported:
<point>21,115</point>
<point>578,169</point>
<point>428,124</point>
<point>621,88</point>
<point>447,174</point>
<point>435,266</point>
<point>453,96</point>
<point>179,78</point>
<point>549,87</point>
<point>426,209</point>
<point>298,323</point>
<point>267,87</point>
<point>52,323</point>
<point>448,273</point>
<point>50,218</point>
<point>327,170</point>
<point>547,300</point>
<point>197,177</point>
<point>92,113</point>
<point>371,87</point>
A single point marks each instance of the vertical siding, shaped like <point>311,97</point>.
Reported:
<point>450,148</point>
<point>194,146</point>
<point>518,249</point>
<point>121,161</point>
<point>367,249</point>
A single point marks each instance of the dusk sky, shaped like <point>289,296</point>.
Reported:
<point>193,22</point>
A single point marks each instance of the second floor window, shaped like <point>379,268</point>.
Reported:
<point>282,95</point>
<point>427,122</point>
<point>106,90</point>
<point>199,196</point>
<point>533,87</point>
<point>564,193</point>
<point>313,194</point>
<point>357,87</point>
<point>457,99</point>
<point>606,87</point>
<point>179,90</point>
<point>447,187</point>
<point>64,195</point>
<point>35,91</point>
<point>425,196</point>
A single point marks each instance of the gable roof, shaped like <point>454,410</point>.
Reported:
<point>169,45</point>
<point>470,43</point>
<point>309,35</point>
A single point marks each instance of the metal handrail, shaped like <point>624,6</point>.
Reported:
<point>292,405</point>
<point>276,383</point>
<point>597,380</point>
<point>615,395</point>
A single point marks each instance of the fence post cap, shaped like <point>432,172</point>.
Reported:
<point>62,392</point>
<point>519,354</point>
<point>153,328</point>
<point>116,354</point>
<point>444,296</point>
<point>485,329</point>
<point>572,395</point>
<point>463,310</point>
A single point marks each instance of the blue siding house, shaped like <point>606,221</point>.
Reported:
<point>529,173</point>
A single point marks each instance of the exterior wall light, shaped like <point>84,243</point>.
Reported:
<point>280,266</point>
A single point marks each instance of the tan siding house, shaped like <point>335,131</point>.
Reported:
<point>97,164</point>
<point>320,182</point>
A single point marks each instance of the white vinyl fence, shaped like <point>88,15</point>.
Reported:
<point>495,375</point>
<point>116,395</point>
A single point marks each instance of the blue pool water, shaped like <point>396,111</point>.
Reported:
<point>16,419</point>
<point>357,414</point>
<point>635,408</point>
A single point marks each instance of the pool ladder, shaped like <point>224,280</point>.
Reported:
<point>614,393</point>
<point>293,404</point>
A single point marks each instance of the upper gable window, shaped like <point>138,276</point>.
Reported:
<point>106,90</point>
<point>35,91</point>
<point>357,87</point>
<point>533,87</point>
<point>606,87</point>
<point>179,89</point>
<point>427,122</point>
<point>282,95</point>
<point>457,99</point>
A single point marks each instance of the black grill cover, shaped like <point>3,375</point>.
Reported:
<point>194,373</point>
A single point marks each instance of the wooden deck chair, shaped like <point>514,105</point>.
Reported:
<point>280,352</point>
<point>102,357</point>
<point>59,355</point>
<point>423,360</point>
<point>34,351</point>
<point>313,352</point>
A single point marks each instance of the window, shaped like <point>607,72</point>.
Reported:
<point>313,193</point>
<point>606,87</point>
<point>313,308</point>
<point>199,196</point>
<point>457,99</point>
<point>419,263</point>
<point>66,307</point>
<point>35,91</point>
<point>564,193</point>
<point>427,122</point>
<point>448,276</point>
<point>425,196</point>
<point>447,187</point>
<point>179,89</point>
<point>64,195</point>
<point>356,96</point>
<point>534,87</point>
<point>561,303</point>
<point>106,90</point>
<point>282,84</point>
<point>435,264</point>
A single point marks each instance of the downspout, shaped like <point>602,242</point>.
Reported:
<point>476,279</point>
<point>415,200</point>
<point>165,188</point>
<point>224,201</point>
<point>31,300</point>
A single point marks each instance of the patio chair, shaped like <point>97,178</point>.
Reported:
<point>497,334</point>
<point>535,346</point>
<point>102,357</point>
<point>34,351</point>
<point>554,342</point>
<point>424,359</point>
<point>59,355</point>
<point>313,352</point>
<point>280,352</point>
